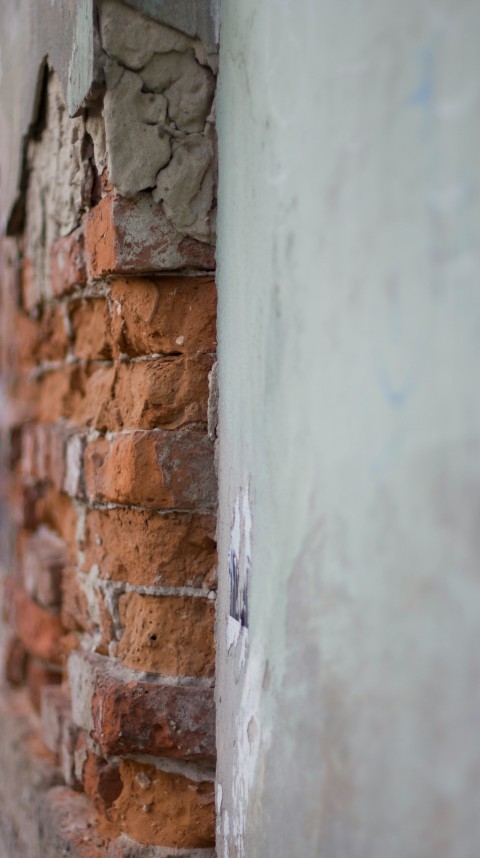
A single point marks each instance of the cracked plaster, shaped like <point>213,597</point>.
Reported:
<point>157,114</point>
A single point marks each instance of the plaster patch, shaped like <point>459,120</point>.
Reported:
<point>185,186</point>
<point>158,110</point>
<point>60,183</point>
<point>133,39</point>
<point>188,86</point>
<point>133,117</point>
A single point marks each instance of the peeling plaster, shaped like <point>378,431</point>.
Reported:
<point>59,186</point>
<point>157,113</point>
<point>154,85</point>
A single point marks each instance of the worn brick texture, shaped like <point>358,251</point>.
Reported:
<point>107,345</point>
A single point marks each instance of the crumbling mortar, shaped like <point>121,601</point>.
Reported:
<point>122,587</point>
<point>192,771</point>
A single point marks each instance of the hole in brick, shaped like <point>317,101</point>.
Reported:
<point>153,637</point>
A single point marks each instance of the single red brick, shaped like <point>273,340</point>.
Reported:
<point>165,392</point>
<point>54,339</point>
<point>168,315</point>
<point>147,548</point>
<point>98,407</point>
<point>171,635</point>
<point>91,329</point>
<point>162,808</point>
<point>128,714</point>
<point>61,393</point>
<point>135,237</point>
<point>157,469</point>
<point>68,268</point>
<point>39,630</point>
<point>100,239</point>
<point>43,339</point>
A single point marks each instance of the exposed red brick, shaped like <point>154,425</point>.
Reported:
<point>164,809</point>
<point>130,714</point>
<point>134,236</point>
<point>169,315</point>
<point>67,258</point>
<point>147,548</point>
<point>98,407</point>
<point>75,610</point>
<point>167,392</point>
<point>39,630</point>
<point>171,635</point>
<point>91,329</point>
<point>162,469</point>
<point>61,393</point>
<point>44,339</point>
<point>106,624</point>
<point>54,340</point>
<point>101,781</point>
<point>100,239</point>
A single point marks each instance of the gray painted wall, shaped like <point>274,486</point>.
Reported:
<point>349,454</point>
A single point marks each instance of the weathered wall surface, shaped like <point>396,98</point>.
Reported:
<point>108,554</point>
<point>63,33</point>
<point>349,344</point>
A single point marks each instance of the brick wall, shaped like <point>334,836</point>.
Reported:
<point>108,311</point>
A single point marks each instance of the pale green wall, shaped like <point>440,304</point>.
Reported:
<point>349,343</point>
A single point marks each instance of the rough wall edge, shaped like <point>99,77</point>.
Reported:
<point>63,33</point>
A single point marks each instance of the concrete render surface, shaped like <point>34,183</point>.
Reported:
<point>348,682</point>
